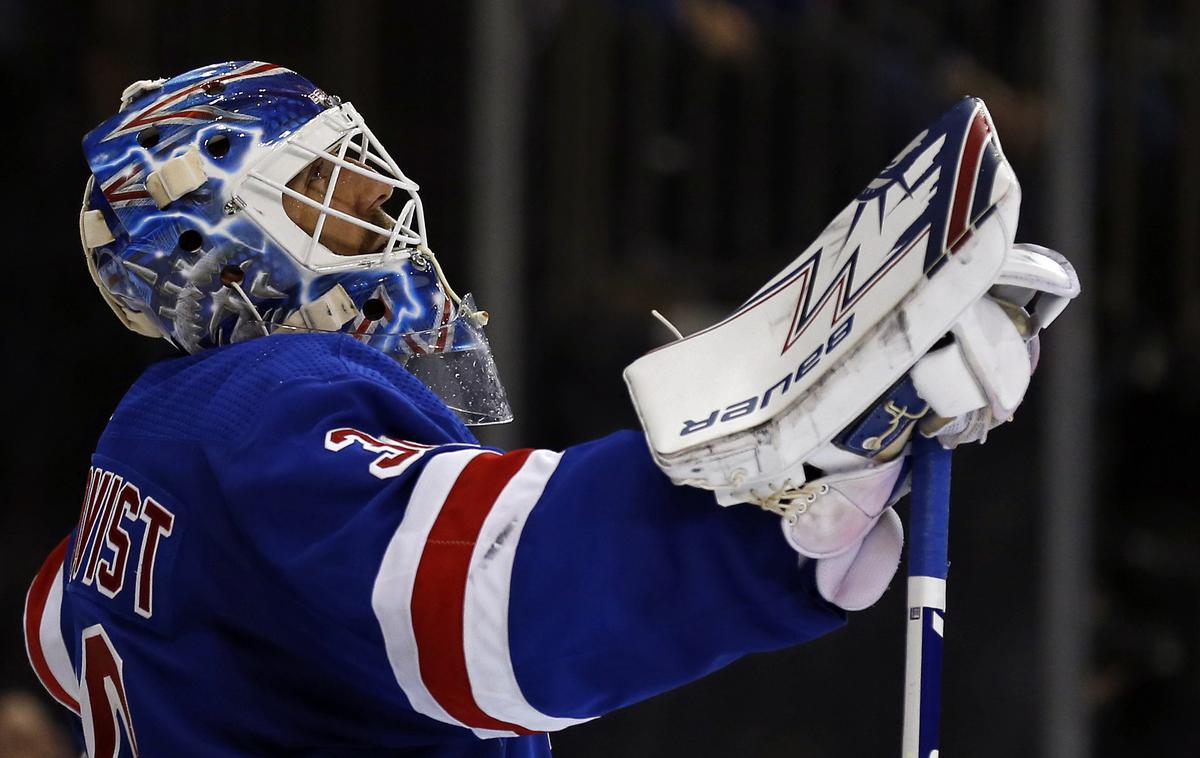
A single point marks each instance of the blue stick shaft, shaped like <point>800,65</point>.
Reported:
<point>927,569</point>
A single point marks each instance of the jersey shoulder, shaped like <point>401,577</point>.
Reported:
<point>220,395</point>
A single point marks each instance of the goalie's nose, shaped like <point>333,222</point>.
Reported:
<point>359,194</point>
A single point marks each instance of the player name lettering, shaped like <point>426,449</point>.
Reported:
<point>115,523</point>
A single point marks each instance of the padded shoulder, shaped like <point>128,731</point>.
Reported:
<point>218,394</point>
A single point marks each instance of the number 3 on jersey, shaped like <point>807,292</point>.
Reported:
<point>103,704</point>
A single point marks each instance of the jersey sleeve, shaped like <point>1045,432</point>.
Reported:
<point>518,592</point>
<point>45,645</point>
<point>545,588</point>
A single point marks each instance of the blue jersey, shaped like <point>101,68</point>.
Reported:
<point>291,546</point>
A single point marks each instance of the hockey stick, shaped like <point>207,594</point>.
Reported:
<point>927,568</point>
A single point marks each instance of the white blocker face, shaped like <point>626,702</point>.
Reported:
<point>324,195</point>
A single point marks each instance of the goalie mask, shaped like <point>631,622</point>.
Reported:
<point>239,200</point>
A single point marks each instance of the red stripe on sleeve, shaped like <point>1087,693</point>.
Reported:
<point>968,169</point>
<point>439,589</point>
<point>35,606</point>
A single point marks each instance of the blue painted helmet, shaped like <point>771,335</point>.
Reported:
<point>239,200</point>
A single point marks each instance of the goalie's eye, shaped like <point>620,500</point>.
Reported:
<point>356,195</point>
<point>317,174</point>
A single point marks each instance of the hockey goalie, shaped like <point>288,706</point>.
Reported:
<point>290,543</point>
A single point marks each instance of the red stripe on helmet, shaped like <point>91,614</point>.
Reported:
<point>147,115</point>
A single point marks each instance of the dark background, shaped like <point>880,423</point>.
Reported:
<point>583,161</point>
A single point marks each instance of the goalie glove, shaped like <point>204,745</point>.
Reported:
<point>856,578</point>
<point>845,522</point>
<point>743,407</point>
<point>975,381</point>
<point>972,384</point>
<point>843,519</point>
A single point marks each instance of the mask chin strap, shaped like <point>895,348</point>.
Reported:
<point>424,258</point>
<point>328,313</point>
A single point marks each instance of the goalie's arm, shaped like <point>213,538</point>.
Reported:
<point>625,585</point>
<point>502,592</point>
<point>592,583</point>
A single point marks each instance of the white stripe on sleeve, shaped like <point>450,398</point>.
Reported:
<point>54,647</point>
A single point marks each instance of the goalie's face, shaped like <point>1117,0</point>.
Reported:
<point>320,192</point>
<point>355,194</point>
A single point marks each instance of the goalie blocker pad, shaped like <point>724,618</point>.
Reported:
<point>741,405</point>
